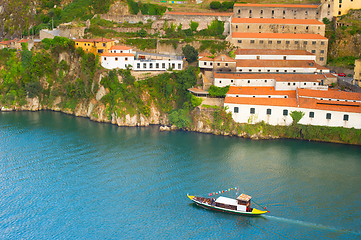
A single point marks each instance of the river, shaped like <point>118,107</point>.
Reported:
<point>65,177</point>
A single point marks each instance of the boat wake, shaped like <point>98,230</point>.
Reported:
<point>313,225</point>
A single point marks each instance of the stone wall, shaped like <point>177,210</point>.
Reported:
<point>69,31</point>
<point>128,18</point>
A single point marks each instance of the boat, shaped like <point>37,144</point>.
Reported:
<point>241,205</point>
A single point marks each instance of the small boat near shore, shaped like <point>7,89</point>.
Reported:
<point>240,205</point>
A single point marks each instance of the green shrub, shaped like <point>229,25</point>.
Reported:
<point>215,5</point>
<point>218,91</point>
<point>190,53</point>
<point>296,116</point>
<point>193,26</point>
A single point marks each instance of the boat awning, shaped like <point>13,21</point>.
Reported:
<point>228,201</point>
<point>244,197</point>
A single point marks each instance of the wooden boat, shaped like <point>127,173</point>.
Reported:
<point>240,205</point>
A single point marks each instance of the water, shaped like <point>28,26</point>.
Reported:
<point>63,177</point>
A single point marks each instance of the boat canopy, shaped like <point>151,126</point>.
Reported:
<point>244,197</point>
<point>228,201</point>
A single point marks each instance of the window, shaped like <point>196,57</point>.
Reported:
<point>321,59</point>
<point>305,42</point>
<point>269,111</point>
<point>313,51</point>
<point>239,11</point>
<point>250,70</point>
<point>260,27</point>
<point>249,81</point>
<point>265,80</point>
<point>250,11</point>
<point>144,65</point>
<point>261,41</point>
<point>339,12</point>
<point>173,65</point>
<point>235,109</point>
<point>220,81</point>
<point>236,26</point>
<point>285,71</point>
<point>270,42</point>
<point>313,42</point>
<point>285,112</point>
<point>328,116</point>
<point>252,41</point>
<point>294,84</point>
<point>84,44</point>
<point>179,66</point>
<point>294,70</point>
<point>261,11</point>
<point>284,12</point>
<point>289,84</point>
<point>295,12</point>
<point>278,42</point>
<point>100,50</point>
<point>205,63</point>
<point>163,65</point>
<point>248,27</point>
<point>218,64</point>
<point>322,51</point>
<point>306,12</point>
<point>259,70</point>
<point>296,42</point>
<point>252,111</point>
<point>157,65</point>
<point>116,59</point>
<point>268,70</point>
<point>277,70</point>
<point>105,58</point>
<point>304,84</point>
<point>322,43</point>
<point>287,42</point>
<point>126,59</point>
<point>345,117</point>
<point>232,81</point>
<point>103,44</point>
<point>226,64</point>
<point>239,41</point>
<point>312,115</point>
<point>138,65</point>
<point>284,57</point>
<point>211,63</point>
<point>273,11</point>
<point>150,65</point>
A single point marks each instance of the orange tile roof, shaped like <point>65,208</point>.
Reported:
<point>329,105</point>
<point>206,59</point>
<point>240,51</point>
<point>335,94</point>
<point>281,77</point>
<point>203,14</point>
<point>277,63</point>
<point>204,54</point>
<point>285,102</point>
<point>278,35</point>
<point>275,5</point>
<point>94,40</point>
<point>266,91</point>
<point>277,21</point>
<point>23,40</point>
<point>119,47</point>
<point>224,58</point>
<point>118,55</point>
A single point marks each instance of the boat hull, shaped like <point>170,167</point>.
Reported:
<point>255,212</point>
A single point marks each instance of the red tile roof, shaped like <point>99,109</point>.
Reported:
<point>119,47</point>
<point>23,40</point>
<point>118,55</point>
<point>275,5</point>
<point>195,14</point>
<point>94,40</point>
<point>206,59</point>
<point>266,91</point>
<point>286,102</point>
<point>335,94</point>
<point>277,63</point>
<point>278,35</point>
<point>329,105</point>
<point>277,21</point>
<point>223,58</point>
<point>281,77</point>
<point>240,51</point>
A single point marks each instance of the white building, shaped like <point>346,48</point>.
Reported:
<point>274,54</point>
<point>280,81</point>
<point>324,108</point>
<point>121,57</point>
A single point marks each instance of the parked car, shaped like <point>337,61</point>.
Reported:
<point>332,72</point>
<point>342,75</point>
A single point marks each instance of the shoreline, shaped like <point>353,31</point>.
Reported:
<point>169,128</point>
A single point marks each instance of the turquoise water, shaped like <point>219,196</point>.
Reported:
<point>63,177</point>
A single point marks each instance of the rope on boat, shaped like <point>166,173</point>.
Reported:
<point>265,208</point>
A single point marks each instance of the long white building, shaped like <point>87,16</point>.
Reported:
<point>332,108</point>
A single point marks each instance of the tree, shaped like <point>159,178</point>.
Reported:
<point>215,5</point>
<point>296,116</point>
<point>190,53</point>
<point>194,26</point>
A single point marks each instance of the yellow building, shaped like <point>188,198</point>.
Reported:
<point>357,76</point>
<point>96,46</point>
<point>341,7</point>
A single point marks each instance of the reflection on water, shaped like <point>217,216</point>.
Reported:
<point>68,177</point>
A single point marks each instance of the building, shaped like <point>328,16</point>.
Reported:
<point>357,77</point>
<point>313,43</point>
<point>341,7</point>
<point>284,11</point>
<point>269,25</point>
<point>274,54</point>
<point>280,81</point>
<point>331,108</point>
<point>95,46</point>
<point>122,57</point>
